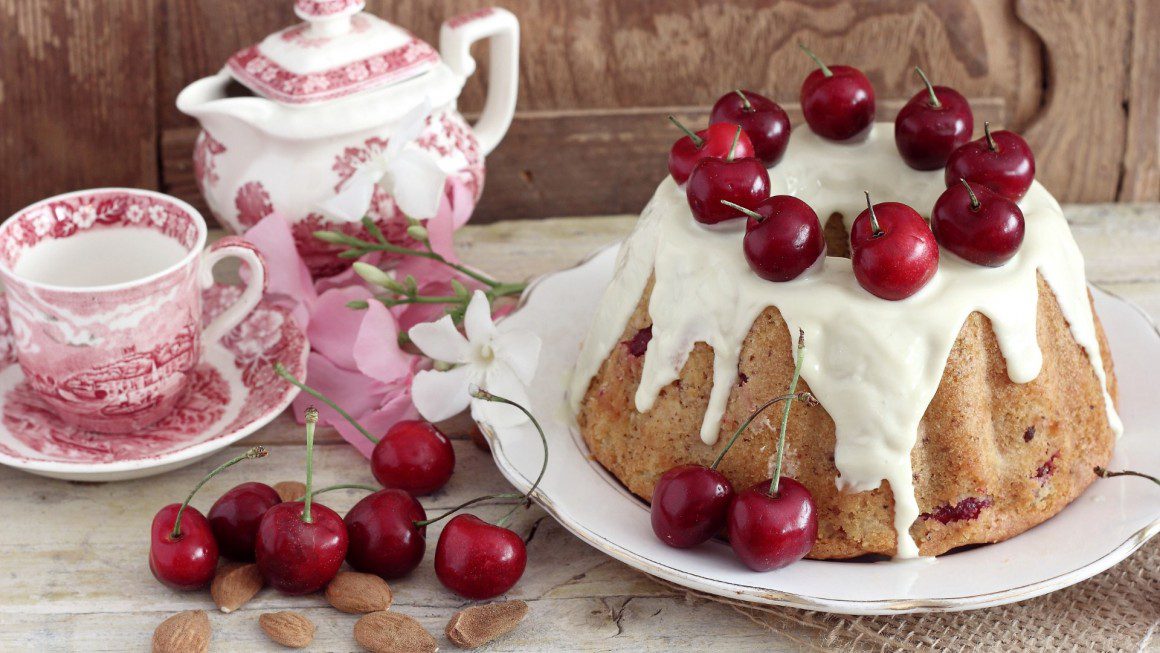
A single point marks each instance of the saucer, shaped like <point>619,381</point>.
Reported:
<point>233,393</point>
<point>1109,521</point>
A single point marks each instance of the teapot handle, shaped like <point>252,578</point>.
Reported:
<point>455,39</point>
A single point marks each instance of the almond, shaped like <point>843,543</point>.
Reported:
<point>290,629</point>
<point>290,490</point>
<point>184,632</point>
<point>358,593</point>
<point>480,624</point>
<point>391,632</point>
<point>234,584</point>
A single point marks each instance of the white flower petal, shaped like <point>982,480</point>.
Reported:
<point>520,349</point>
<point>442,395</point>
<point>410,126</point>
<point>501,380</point>
<point>440,340</point>
<point>477,320</point>
<point>416,182</point>
<point>354,200</point>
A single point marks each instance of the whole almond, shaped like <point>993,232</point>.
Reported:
<point>184,632</point>
<point>290,490</point>
<point>479,624</point>
<point>391,632</point>
<point>235,584</point>
<point>290,629</point>
<point>358,593</point>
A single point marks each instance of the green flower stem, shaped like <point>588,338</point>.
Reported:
<point>281,371</point>
<point>800,396</point>
<point>797,372</point>
<point>363,246</point>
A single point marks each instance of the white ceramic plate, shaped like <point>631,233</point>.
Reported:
<point>1102,527</point>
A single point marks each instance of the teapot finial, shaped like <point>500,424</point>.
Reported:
<point>328,17</point>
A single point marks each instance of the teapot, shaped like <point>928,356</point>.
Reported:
<point>288,121</point>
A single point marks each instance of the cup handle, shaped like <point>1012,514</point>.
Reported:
<point>233,246</point>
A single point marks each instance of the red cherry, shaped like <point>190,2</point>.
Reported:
<point>185,561</point>
<point>893,251</point>
<point>783,238</point>
<point>977,224</point>
<point>716,141</point>
<point>413,456</point>
<point>1001,161</point>
<point>301,544</point>
<point>478,560</point>
<point>689,504</point>
<point>296,556</point>
<point>837,101</point>
<point>744,182</point>
<point>931,125</point>
<point>764,121</point>
<point>234,518</point>
<point>771,531</point>
<point>383,537</point>
<point>183,553</point>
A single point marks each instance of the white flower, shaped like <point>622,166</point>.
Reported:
<point>410,175</point>
<point>499,360</point>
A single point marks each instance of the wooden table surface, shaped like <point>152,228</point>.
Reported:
<point>73,555</point>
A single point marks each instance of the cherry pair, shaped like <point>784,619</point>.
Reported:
<point>770,525</point>
<point>717,172</point>
<point>183,553</point>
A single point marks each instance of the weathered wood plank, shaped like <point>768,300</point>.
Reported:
<point>1141,176</point>
<point>1078,138</point>
<point>77,105</point>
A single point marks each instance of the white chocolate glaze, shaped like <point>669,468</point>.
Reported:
<point>873,364</point>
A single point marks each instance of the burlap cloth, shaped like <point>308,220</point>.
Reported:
<point>1118,610</point>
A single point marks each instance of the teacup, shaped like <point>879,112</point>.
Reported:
<point>103,289</point>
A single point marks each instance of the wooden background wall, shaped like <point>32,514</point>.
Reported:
<point>87,87</point>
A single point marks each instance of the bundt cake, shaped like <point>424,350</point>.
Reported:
<point>965,414</point>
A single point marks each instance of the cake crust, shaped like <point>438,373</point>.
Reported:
<point>993,458</point>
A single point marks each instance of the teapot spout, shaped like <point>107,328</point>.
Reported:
<point>219,106</point>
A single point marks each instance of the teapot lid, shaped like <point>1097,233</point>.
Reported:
<point>338,51</point>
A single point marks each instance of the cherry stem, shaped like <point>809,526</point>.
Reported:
<point>875,228</point>
<point>929,88</point>
<point>526,497</point>
<point>311,420</point>
<point>733,145</point>
<point>256,452</point>
<point>825,69</point>
<point>744,100</point>
<point>490,497</point>
<point>753,214</point>
<point>990,139</point>
<point>974,200</point>
<point>697,140</point>
<point>282,372</point>
<point>1104,473</point>
<point>797,372</point>
<point>344,486</point>
<point>799,396</point>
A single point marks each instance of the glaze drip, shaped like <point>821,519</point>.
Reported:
<point>874,364</point>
